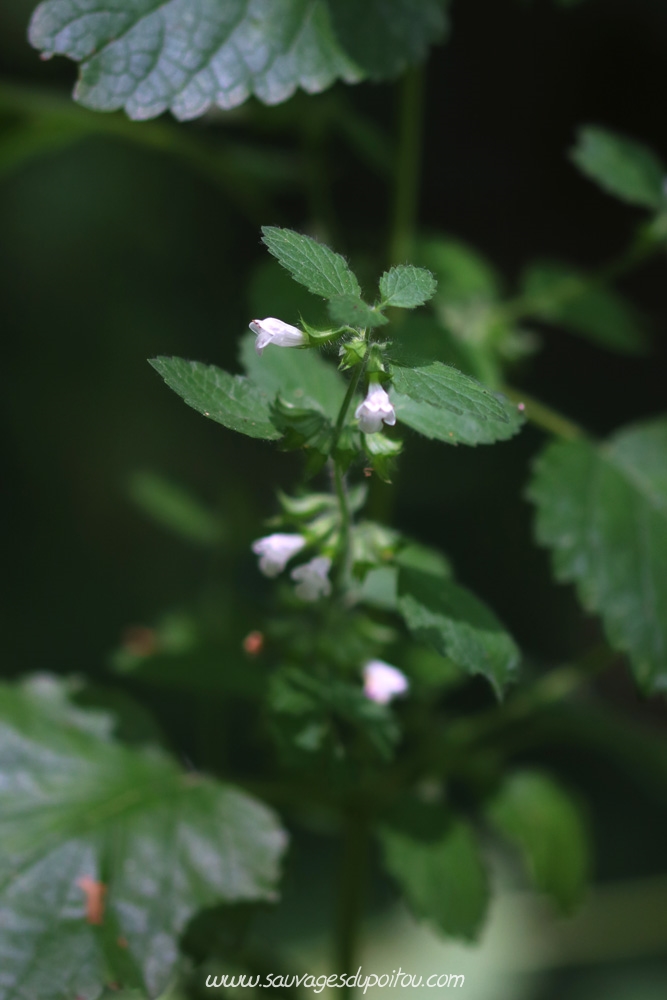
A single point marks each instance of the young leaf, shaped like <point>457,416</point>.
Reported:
<point>228,399</point>
<point>303,378</point>
<point>544,822</point>
<point>312,264</point>
<point>623,167</point>
<point>77,811</point>
<point>350,310</point>
<point>443,880</point>
<point>385,36</point>
<point>441,402</point>
<point>603,512</point>
<point>457,624</point>
<point>562,295</point>
<point>189,55</point>
<point>407,287</point>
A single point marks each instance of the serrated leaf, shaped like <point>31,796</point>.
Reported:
<point>76,811</point>
<point>385,36</point>
<point>407,287</point>
<point>174,508</point>
<point>457,625</point>
<point>228,399</point>
<point>603,512</point>
<point>312,264</point>
<point>625,168</point>
<point>303,378</point>
<point>350,310</point>
<point>443,403</point>
<point>444,881</point>
<point>185,56</point>
<point>565,296</point>
<point>537,815</point>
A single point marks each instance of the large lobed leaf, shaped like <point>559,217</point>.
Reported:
<point>148,56</point>
<point>443,403</point>
<point>77,810</point>
<point>621,166</point>
<point>230,400</point>
<point>602,510</point>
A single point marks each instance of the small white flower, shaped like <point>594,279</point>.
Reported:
<point>382,682</point>
<point>375,409</point>
<point>313,579</point>
<point>275,551</point>
<point>274,331</point>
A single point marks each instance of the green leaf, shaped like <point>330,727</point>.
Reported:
<point>228,399</point>
<point>302,378</point>
<point>385,36</point>
<point>562,295</point>
<point>621,166</point>
<point>444,881</point>
<point>350,310</point>
<point>457,625</point>
<point>174,508</point>
<point>533,812</point>
<point>603,512</point>
<point>312,264</point>
<point>443,403</point>
<point>463,274</point>
<point>166,843</point>
<point>407,287</point>
<point>149,56</point>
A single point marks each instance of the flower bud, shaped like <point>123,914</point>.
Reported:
<point>313,579</point>
<point>382,682</point>
<point>275,551</point>
<point>274,331</point>
<point>375,410</point>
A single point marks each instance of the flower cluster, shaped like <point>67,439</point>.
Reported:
<point>276,550</point>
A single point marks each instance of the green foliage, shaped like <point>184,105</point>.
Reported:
<point>463,274</point>
<point>79,810</point>
<point>407,287</point>
<point>603,512</point>
<point>621,166</point>
<point>385,36</point>
<point>175,508</point>
<point>562,295</point>
<point>228,399</point>
<point>302,378</point>
<point>457,624</point>
<point>543,821</point>
<point>312,264</point>
<point>443,403</point>
<point>350,310</point>
<point>443,880</point>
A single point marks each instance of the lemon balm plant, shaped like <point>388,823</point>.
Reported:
<point>118,859</point>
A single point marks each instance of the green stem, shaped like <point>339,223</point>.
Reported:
<point>543,416</point>
<point>351,893</point>
<point>408,167</point>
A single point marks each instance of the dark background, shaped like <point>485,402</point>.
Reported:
<point>112,253</point>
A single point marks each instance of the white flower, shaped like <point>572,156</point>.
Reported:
<point>382,682</point>
<point>313,579</point>
<point>275,551</point>
<point>375,409</point>
<point>274,331</point>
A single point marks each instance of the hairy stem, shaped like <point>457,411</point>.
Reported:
<point>408,167</point>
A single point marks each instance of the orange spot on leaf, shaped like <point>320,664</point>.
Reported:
<point>95,892</point>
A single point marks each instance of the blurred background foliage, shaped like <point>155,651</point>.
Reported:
<point>121,241</point>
